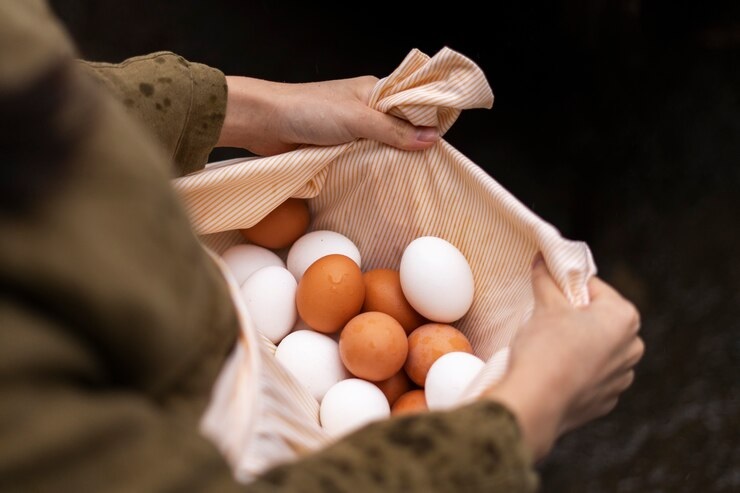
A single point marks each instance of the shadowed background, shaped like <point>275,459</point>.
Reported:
<point>618,121</point>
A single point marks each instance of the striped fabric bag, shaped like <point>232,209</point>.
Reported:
<point>381,198</point>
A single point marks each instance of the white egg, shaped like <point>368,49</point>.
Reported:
<point>436,279</point>
<point>351,404</point>
<point>448,378</point>
<point>246,259</point>
<point>313,359</point>
<point>312,246</point>
<point>269,295</point>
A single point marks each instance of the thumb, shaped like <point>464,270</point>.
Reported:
<point>546,290</point>
<point>396,132</point>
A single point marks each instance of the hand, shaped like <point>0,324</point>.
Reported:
<point>569,364</point>
<point>269,118</point>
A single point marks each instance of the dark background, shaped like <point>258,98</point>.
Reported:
<point>618,121</point>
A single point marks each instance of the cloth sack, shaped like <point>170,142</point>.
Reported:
<point>381,198</point>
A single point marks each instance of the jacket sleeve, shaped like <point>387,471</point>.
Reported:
<point>474,448</point>
<point>61,432</point>
<point>181,103</point>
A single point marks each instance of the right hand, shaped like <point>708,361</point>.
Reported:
<point>568,365</point>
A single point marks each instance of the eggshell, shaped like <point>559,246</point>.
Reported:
<point>330,293</point>
<point>245,259</point>
<point>281,227</point>
<point>351,404</point>
<point>448,378</point>
<point>383,293</point>
<point>394,387</point>
<point>427,343</point>
<point>411,402</point>
<point>313,359</point>
<point>300,325</point>
<point>269,295</point>
<point>373,346</point>
<point>436,279</point>
<point>312,246</point>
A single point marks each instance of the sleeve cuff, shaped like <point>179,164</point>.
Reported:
<point>204,120</point>
<point>182,104</point>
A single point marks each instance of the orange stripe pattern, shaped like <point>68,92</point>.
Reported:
<point>381,198</point>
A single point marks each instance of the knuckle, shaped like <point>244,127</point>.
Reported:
<point>394,131</point>
<point>368,79</point>
<point>640,348</point>
<point>609,406</point>
<point>627,381</point>
<point>637,352</point>
<point>364,86</point>
<point>627,317</point>
<point>630,313</point>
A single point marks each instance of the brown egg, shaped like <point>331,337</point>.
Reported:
<point>281,227</point>
<point>330,293</point>
<point>412,402</point>
<point>383,294</point>
<point>373,346</point>
<point>395,386</point>
<point>429,342</point>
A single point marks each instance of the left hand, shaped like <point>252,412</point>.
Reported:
<point>268,118</point>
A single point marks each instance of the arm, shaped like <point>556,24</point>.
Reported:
<point>114,325</point>
<point>474,448</point>
<point>192,108</point>
<point>568,364</point>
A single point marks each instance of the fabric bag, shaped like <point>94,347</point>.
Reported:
<point>381,198</point>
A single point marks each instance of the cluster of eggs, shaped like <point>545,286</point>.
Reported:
<point>366,344</point>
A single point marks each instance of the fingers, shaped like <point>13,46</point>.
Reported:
<point>546,291</point>
<point>386,128</point>
<point>623,312</point>
<point>396,132</point>
<point>624,374</point>
<point>634,353</point>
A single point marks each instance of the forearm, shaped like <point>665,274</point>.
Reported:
<point>538,411</point>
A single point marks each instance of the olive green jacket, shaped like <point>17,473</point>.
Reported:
<point>114,323</point>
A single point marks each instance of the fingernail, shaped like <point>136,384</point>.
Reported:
<point>427,134</point>
<point>537,260</point>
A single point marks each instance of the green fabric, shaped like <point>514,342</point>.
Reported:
<point>114,323</point>
<point>183,104</point>
<point>476,448</point>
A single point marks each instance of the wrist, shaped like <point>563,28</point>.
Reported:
<point>538,410</point>
<point>249,109</point>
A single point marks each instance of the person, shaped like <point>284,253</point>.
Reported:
<point>114,322</point>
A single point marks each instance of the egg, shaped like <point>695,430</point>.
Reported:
<point>245,259</point>
<point>373,346</point>
<point>330,293</point>
<point>394,387</point>
<point>351,404</point>
<point>269,295</point>
<point>383,293</point>
<point>300,325</point>
<point>316,244</point>
<point>436,279</point>
<point>427,343</point>
<point>411,402</point>
<point>313,359</point>
<point>281,227</point>
<point>448,378</point>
